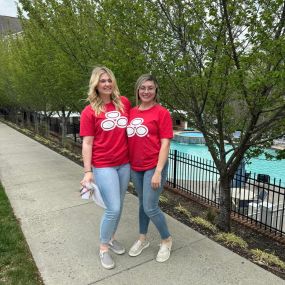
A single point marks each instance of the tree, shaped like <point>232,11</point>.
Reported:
<point>220,61</point>
<point>70,37</point>
<point>223,63</point>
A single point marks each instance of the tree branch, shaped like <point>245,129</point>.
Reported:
<point>233,48</point>
<point>281,23</point>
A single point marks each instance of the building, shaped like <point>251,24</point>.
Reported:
<point>10,25</point>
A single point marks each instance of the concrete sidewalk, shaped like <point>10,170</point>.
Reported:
<point>62,230</point>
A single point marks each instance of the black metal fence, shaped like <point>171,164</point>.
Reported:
<point>36,119</point>
<point>254,198</point>
<point>72,127</point>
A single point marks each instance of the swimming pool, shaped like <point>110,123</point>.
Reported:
<point>274,168</point>
<point>189,137</point>
<point>191,134</point>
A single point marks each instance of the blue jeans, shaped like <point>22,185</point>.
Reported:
<point>148,201</point>
<point>113,184</point>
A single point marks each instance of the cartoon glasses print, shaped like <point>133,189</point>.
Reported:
<point>114,119</point>
<point>136,128</point>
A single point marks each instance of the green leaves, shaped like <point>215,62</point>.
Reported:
<point>220,61</point>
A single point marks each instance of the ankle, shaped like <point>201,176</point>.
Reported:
<point>142,238</point>
<point>167,241</point>
<point>104,248</point>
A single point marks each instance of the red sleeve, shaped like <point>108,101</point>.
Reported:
<point>165,129</point>
<point>87,122</point>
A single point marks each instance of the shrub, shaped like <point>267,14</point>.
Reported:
<point>231,240</point>
<point>183,210</point>
<point>206,224</point>
<point>211,214</point>
<point>163,199</point>
<point>260,256</point>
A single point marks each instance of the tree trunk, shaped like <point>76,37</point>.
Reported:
<point>63,129</point>
<point>13,115</point>
<point>28,119</point>
<point>47,126</point>
<point>19,118</point>
<point>36,122</point>
<point>224,218</point>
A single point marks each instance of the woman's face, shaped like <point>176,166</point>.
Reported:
<point>147,92</point>
<point>105,85</point>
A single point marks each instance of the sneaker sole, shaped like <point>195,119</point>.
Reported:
<point>138,253</point>
<point>108,266</point>
<point>117,252</point>
<point>111,266</point>
<point>163,260</point>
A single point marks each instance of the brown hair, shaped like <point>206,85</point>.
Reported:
<point>141,80</point>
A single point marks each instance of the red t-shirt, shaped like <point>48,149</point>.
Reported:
<point>145,130</point>
<point>110,145</point>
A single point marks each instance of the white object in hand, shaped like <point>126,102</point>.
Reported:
<point>97,197</point>
<point>92,190</point>
<point>85,193</point>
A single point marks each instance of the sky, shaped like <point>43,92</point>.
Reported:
<point>8,8</point>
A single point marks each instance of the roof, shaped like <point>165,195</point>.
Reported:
<point>9,25</point>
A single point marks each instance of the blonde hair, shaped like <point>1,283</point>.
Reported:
<point>94,99</point>
<point>141,80</point>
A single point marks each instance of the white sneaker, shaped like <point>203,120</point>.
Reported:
<point>164,252</point>
<point>138,247</point>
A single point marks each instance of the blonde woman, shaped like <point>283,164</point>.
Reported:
<point>105,154</point>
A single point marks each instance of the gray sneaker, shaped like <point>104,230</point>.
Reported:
<point>138,247</point>
<point>116,247</point>
<point>106,260</point>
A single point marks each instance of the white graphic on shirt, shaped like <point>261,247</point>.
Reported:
<point>137,128</point>
<point>114,119</point>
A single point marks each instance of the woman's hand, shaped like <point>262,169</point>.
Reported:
<point>156,180</point>
<point>87,160</point>
<point>88,178</point>
<point>162,159</point>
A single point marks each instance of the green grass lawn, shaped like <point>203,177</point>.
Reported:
<point>16,263</point>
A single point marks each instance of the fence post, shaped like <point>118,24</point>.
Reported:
<point>175,168</point>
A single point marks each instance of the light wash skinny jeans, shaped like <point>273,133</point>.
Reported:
<point>148,201</point>
<point>113,184</point>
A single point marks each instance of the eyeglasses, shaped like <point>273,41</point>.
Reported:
<point>150,89</point>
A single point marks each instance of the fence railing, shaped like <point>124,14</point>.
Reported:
<point>254,197</point>
<point>52,123</point>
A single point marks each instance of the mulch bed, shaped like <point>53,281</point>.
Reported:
<point>254,239</point>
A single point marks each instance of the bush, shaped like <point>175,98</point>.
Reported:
<point>231,240</point>
<point>183,211</point>
<point>262,257</point>
<point>206,224</point>
<point>211,214</point>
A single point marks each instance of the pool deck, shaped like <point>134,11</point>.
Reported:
<point>278,146</point>
<point>274,146</point>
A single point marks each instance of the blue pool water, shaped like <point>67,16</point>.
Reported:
<point>274,168</point>
<point>191,134</point>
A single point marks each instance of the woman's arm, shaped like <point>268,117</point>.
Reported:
<point>87,145</point>
<point>162,158</point>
